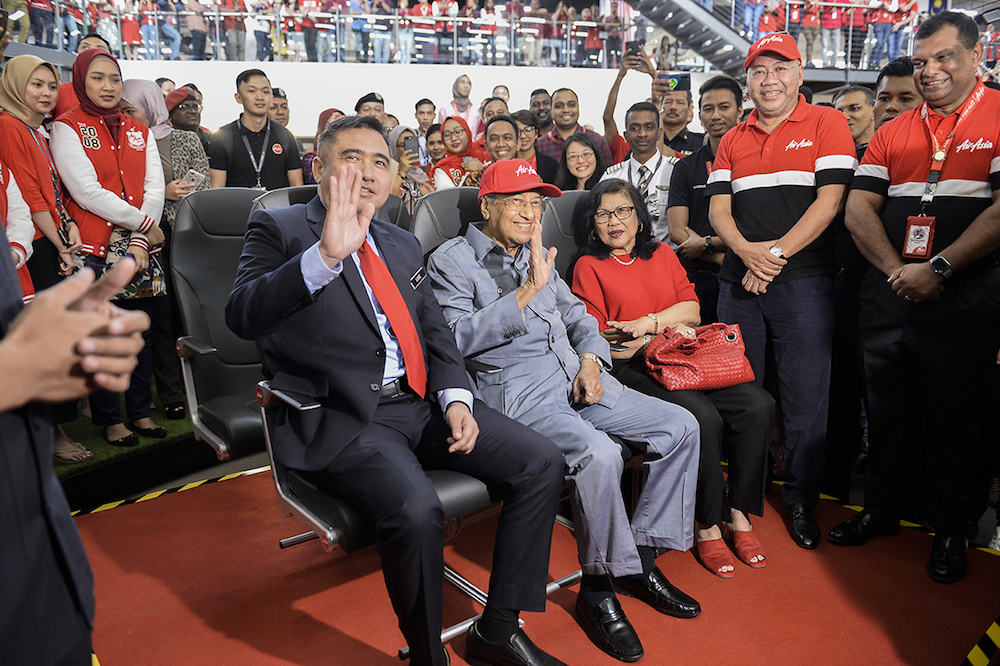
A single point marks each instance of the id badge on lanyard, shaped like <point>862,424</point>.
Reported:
<point>918,241</point>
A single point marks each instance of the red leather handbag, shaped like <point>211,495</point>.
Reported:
<point>715,358</point>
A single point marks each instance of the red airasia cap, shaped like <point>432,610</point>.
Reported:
<point>178,95</point>
<point>513,176</point>
<point>778,43</point>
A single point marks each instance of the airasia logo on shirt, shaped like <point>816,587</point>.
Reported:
<point>804,143</point>
<point>276,149</point>
<point>980,144</point>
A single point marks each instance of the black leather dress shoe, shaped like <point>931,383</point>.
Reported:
<point>862,528</point>
<point>803,526</point>
<point>656,590</point>
<point>949,559</point>
<point>609,629</point>
<point>517,650</point>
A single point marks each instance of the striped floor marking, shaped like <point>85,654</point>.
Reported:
<point>168,491</point>
<point>986,648</point>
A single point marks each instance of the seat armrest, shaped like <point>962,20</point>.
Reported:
<point>474,366</point>
<point>188,347</point>
<point>268,396</point>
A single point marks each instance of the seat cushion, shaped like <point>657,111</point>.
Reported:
<point>236,420</point>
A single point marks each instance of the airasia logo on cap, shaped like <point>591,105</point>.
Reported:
<point>525,169</point>
<point>276,149</point>
<point>771,38</point>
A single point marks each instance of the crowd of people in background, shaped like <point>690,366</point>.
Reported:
<point>832,34</point>
<point>679,229</point>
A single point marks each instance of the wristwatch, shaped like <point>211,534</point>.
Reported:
<point>709,245</point>
<point>591,356</point>
<point>776,251</point>
<point>941,266</point>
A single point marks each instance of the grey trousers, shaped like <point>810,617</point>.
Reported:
<point>664,516</point>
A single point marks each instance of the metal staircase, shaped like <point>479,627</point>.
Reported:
<point>708,33</point>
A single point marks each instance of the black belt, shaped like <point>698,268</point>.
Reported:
<point>394,389</point>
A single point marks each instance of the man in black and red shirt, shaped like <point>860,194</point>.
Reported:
<point>930,332</point>
<point>777,182</point>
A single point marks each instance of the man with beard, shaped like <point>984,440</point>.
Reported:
<point>540,104</point>
<point>698,248</point>
<point>647,169</point>
<point>566,114</point>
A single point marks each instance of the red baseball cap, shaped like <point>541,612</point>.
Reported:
<point>778,43</point>
<point>513,176</point>
<point>178,95</point>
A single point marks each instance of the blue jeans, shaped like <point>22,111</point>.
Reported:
<point>323,53</point>
<point>895,43</point>
<point>72,32</point>
<point>383,43</point>
<point>751,19</point>
<point>881,32</point>
<point>150,41</point>
<point>405,45</point>
<point>175,40</point>
<point>797,317</point>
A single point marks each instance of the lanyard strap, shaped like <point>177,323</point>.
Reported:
<point>939,152</point>
<point>257,165</point>
<point>44,148</point>
<point>659,162</point>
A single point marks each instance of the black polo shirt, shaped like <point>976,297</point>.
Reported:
<point>687,188</point>
<point>686,142</point>
<point>228,152</point>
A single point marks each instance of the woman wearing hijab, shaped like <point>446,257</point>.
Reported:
<point>325,118</point>
<point>415,180</point>
<point>181,153</point>
<point>29,88</point>
<point>460,106</point>
<point>111,169</point>
<point>465,161</point>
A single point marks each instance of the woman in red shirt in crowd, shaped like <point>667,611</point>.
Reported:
<point>111,169</point>
<point>622,275</point>
<point>29,88</point>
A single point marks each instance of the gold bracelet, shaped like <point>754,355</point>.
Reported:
<point>656,323</point>
<point>646,339</point>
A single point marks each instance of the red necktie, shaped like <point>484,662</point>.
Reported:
<point>394,307</point>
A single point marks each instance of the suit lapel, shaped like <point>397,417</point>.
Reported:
<point>316,214</point>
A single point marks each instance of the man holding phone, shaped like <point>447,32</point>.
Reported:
<point>672,93</point>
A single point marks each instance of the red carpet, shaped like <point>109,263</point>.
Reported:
<point>196,577</point>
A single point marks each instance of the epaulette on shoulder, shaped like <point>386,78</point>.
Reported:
<point>615,168</point>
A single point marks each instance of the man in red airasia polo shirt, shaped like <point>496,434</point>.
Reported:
<point>930,332</point>
<point>777,182</point>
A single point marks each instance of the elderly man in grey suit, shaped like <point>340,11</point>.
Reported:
<point>509,308</point>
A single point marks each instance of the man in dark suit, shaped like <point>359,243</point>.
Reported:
<point>65,344</point>
<point>372,346</point>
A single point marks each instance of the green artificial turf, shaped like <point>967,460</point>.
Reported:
<point>91,436</point>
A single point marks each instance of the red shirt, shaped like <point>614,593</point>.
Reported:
<point>897,162</point>
<point>23,276</point>
<point>609,289</point>
<point>773,179</point>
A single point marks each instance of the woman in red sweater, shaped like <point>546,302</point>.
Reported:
<point>636,288</point>
<point>111,168</point>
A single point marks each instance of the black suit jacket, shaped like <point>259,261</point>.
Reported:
<point>46,586</point>
<point>548,168</point>
<point>327,346</point>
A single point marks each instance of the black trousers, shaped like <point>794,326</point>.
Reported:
<point>738,417</point>
<point>928,368</point>
<point>382,473</point>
